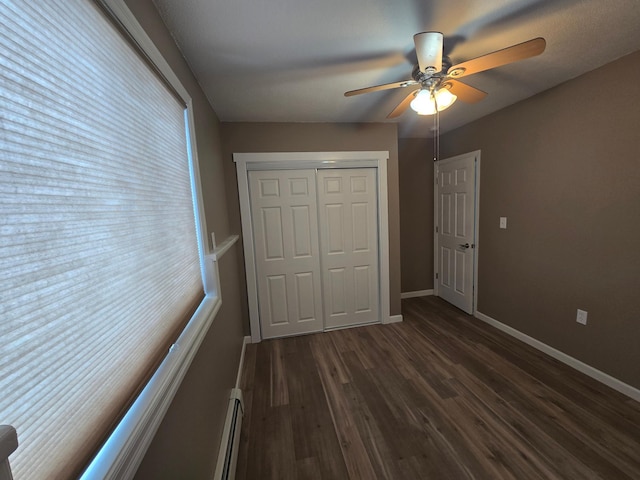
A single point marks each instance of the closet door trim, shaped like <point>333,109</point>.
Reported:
<point>300,160</point>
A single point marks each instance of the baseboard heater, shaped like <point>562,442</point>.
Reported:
<point>228,454</point>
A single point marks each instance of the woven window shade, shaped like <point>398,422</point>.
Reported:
<point>99,257</point>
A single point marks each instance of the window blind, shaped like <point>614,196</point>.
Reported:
<point>99,255</point>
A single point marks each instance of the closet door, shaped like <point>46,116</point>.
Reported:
<point>285,226</point>
<point>347,204</point>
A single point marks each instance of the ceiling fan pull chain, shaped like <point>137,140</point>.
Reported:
<point>436,136</point>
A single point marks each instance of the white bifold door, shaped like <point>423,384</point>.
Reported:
<point>349,244</point>
<point>316,248</point>
<point>285,228</point>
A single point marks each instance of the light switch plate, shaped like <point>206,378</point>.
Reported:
<point>503,222</point>
<point>581,317</point>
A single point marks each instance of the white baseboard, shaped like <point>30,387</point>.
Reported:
<point>592,372</point>
<point>245,341</point>
<point>418,293</point>
<point>394,319</point>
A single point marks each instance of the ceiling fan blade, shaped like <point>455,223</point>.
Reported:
<point>464,92</point>
<point>498,58</point>
<point>429,51</point>
<point>386,86</point>
<point>403,105</point>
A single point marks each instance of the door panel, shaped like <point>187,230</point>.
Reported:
<point>362,281</point>
<point>336,303</point>
<point>460,275</point>
<point>277,299</point>
<point>284,215</point>
<point>445,213</point>
<point>445,267</point>
<point>300,219</point>
<point>461,215</point>
<point>335,226</point>
<point>456,229</point>
<point>347,202</point>
<point>271,228</point>
<point>305,296</point>
<point>361,216</point>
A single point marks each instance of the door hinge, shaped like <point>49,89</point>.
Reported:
<point>436,229</point>
<point>436,275</point>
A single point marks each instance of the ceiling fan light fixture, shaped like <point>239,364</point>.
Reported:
<point>423,104</point>
<point>428,103</point>
<point>444,98</point>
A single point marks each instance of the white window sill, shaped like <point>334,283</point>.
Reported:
<point>120,457</point>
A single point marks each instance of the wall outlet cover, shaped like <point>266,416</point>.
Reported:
<point>503,222</point>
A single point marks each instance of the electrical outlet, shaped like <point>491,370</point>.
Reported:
<point>581,317</point>
<point>503,222</point>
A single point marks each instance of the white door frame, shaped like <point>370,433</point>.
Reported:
<point>476,223</point>
<point>299,160</point>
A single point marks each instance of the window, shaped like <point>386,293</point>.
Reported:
<point>100,251</point>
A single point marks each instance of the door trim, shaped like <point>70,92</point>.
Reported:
<point>299,160</point>
<point>476,224</point>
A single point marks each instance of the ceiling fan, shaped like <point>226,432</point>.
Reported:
<point>436,78</point>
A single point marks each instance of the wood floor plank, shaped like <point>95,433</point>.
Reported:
<point>557,457</point>
<point>271,446</point>
<point>560,377</point>
<point>496,443</point>
<point>353,450</point>
<point>279,389</point>
<point>314,435</point>
<point>326,346</point>
<point>451,440</point>
<point>376,443</point>
<point>349,341</point>
<point>583,427</point>
<point>382,426</point>
<point>309,469</point>
<point>515,385</point>
<point>437,396</point>
<point>392,404</point>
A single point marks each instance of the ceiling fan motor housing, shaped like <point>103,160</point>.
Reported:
<point>429,51</point>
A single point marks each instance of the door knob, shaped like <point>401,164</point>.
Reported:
<point>463,245</point>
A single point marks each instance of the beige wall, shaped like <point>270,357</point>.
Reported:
<point>415,157</point>
<point>310,137</point>
<point>187,441</point>
<point>564,168</point>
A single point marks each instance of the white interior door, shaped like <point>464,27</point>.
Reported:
<point>455,230</point>
<point>284,217</point>
<point>347,201</point>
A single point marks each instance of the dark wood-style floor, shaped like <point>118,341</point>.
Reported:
<point>438,396</point>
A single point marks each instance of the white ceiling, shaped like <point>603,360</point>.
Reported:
<point>292,60</point>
